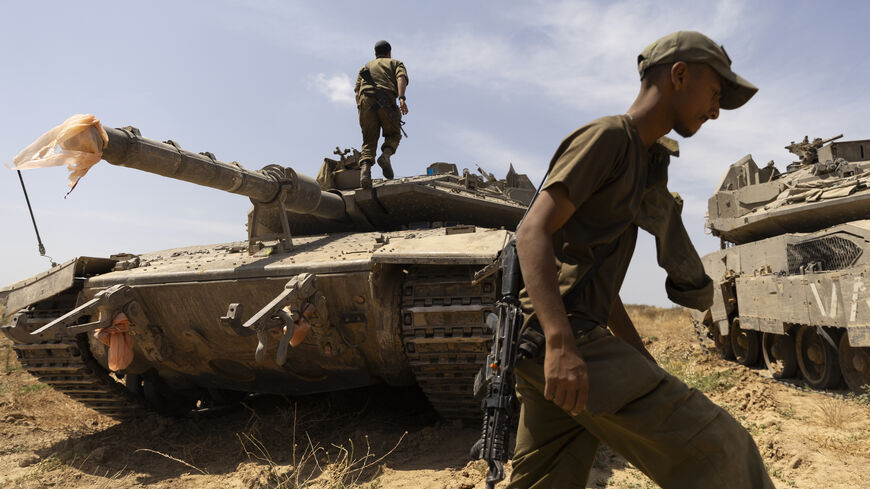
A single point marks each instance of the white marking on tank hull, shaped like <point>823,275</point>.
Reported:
<point>858,287</point>
<point>818,299</point>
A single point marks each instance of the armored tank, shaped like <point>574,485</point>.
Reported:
<point>334,287</point>
<point>790,279</point>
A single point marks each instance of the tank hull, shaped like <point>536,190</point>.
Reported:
<point>778,291</point>
<point>401,309</point>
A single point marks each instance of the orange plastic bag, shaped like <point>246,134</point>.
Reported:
<point>77,143</point>
<point>117,338</point>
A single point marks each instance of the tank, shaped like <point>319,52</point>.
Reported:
<point>395,282</point>
<point>790,288</point>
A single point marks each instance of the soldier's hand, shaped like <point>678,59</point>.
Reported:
<point>567,381</point>
<point>403,107</point>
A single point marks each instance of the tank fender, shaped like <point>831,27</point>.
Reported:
<point>53,281</point>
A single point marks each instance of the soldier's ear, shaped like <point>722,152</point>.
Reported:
<point>679,74</point>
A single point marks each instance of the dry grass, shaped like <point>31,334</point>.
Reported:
<point>335,467</point>
<point>48,471</point>
<point>657,323</point>
<point>833,413</point>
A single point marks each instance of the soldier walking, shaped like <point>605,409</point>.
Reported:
<point>378,84</point>
<point>589,385</point>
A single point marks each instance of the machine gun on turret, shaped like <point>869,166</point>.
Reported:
<point>807,150</point>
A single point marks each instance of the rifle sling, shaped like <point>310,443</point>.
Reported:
<point>382,100</point>
<point>380,96</point>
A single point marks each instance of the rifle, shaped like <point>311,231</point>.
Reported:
<point>382,100</point>
<point>497,375</point>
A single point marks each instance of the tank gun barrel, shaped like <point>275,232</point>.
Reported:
<point>126,147</point>
<point>826,141</point>
<point>805,145</point>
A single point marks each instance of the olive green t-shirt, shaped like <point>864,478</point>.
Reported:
<point>616,185</point>
<point>385,72</point>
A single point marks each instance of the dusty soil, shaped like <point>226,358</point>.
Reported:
<point>390,438</point>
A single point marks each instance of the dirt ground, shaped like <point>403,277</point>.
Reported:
<point>390,438</point>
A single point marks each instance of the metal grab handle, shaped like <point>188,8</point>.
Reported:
<point>106,302</point>
<point>299,294</point>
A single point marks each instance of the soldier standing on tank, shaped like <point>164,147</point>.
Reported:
<point>378,84</point>
<point>587,385</point>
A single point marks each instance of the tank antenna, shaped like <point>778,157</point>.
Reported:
<point>32,218</point>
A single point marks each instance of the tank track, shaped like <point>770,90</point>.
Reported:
<point>68,367</point>
<point>445,336</point>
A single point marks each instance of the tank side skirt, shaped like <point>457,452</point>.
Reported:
<point>837,299</point>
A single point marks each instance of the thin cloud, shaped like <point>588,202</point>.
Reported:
<point>337,88</point>
<point>581,54</point>
<point>494,154</point>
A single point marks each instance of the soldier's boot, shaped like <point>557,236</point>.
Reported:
<point>365,174</point>
<point>384,162</point>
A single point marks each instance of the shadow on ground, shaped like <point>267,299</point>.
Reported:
<point>306,436</point>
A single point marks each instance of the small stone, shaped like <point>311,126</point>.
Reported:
<point>100,454</point>
<point>796,462</point>
<point>28,460</point>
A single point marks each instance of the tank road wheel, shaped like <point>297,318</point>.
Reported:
<point>779,355</point>
<point>157,396</point>
<point>722,344</point>
<point>855,365</point>
<point>745,344</point>
<point>166,402</point>
<point>133,383</point>
<point>225,397</point>
<point>817,359</point>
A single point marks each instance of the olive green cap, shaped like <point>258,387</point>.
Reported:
<point>694,47</point>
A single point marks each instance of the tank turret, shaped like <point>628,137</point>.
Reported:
<point>828,186</point>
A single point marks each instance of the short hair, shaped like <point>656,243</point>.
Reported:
<point>653,73</point>
<point>382,48</point>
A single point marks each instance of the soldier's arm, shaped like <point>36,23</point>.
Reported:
<point>567,383</point>
<point>622,327</point>
<point>402,83</point>
<point>356,89</point>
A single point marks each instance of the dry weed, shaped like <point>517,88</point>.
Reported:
<point>833,413</point>
<point>656,322</point>
<point>336,468</point>
<point>691,375</point>
<point>51,470</point>
<point>173,459</point>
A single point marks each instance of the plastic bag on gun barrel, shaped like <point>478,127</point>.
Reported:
<point>77,143</point>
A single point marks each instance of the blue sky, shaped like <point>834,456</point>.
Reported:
<point>491,83</point>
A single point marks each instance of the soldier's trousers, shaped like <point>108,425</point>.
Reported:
<point>372,123</point>
<point>674,434</point>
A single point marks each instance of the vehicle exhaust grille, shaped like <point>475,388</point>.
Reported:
<point>828,253</point>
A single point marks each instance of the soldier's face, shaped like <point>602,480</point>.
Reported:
<point>696,98</point>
